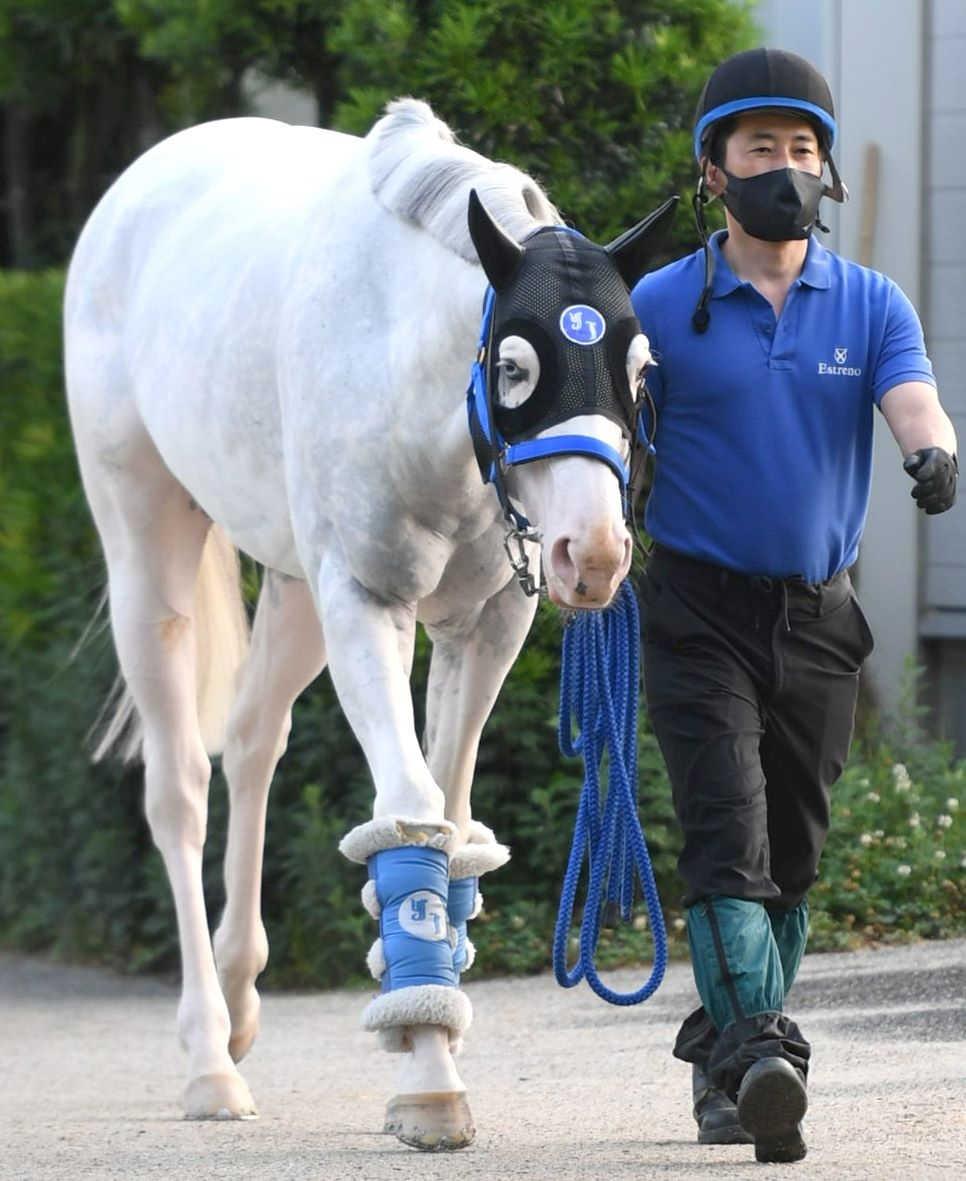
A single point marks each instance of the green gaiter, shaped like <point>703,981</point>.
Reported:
<point>790,928</point>
<point>738,968</point>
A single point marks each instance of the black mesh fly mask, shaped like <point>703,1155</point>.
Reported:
<point>569,302</point>
<point>568,298</point>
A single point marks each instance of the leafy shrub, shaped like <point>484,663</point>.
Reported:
<point>893,866</point>
<point>594,98</point>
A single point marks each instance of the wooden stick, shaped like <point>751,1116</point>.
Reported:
<point>870,204</point>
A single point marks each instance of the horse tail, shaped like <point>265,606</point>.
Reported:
<point>221,632</point>
<point>222,635</point>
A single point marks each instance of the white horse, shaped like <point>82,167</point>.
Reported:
<point>268,336</point>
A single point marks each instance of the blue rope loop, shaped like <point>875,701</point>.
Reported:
<point>599,692</point>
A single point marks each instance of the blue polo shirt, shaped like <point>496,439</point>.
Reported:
<point>764,431</point>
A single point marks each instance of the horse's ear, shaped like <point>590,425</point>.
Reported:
<point>499,254</point>
<point>635,249</point>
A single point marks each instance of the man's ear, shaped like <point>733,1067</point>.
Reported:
<point>715,180</point>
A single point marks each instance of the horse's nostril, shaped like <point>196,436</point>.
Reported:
<point>628,553</point>
<point>590,572</point>
<point>561,561</point>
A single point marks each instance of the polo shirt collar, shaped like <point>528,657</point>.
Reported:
<point>815,272</point>
<point>725,280</point>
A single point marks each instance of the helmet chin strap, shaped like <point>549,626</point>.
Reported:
<point>837,190</point>
<point>702,317</point>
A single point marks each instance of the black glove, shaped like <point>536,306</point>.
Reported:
<point>935,472</point>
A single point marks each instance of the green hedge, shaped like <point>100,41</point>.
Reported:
<point>78,873</point>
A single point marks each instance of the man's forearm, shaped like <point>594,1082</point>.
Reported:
<point>917,420</point>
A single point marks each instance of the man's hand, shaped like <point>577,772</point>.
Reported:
<point>935,472</point>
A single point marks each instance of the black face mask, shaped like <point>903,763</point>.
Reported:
<point>777,206</point>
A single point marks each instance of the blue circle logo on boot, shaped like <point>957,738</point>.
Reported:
<point>423,914</point>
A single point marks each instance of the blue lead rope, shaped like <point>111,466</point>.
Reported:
<point>599,689</point>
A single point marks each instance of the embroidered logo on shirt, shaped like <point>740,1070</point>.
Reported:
<point>839,369</point>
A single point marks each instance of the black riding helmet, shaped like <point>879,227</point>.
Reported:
<point>760,79</point>
<point>755,80</point>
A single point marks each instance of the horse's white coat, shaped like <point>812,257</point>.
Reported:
<point>270,328</point>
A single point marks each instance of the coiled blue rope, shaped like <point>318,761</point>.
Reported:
<point>599,690</point>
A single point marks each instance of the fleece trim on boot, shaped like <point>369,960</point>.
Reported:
<point>376,960</point>
<point>392,832</point>
<point>470,953</point>
<point>421,1004</point>
<point>481,854</point>
<point>370,899</point>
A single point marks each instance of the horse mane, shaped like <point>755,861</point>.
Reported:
<point>421,173</point>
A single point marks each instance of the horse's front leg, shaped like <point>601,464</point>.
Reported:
<point>406,847</point>
<point>471,658</point>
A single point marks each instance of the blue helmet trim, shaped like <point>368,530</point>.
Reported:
<point>762,102</point>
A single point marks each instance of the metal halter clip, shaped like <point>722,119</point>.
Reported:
<point>519,560</point>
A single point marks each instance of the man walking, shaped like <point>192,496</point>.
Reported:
<point>772,355</point>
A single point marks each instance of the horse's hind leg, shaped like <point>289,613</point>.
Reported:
<point>153,539</point>
<point>287,654</point>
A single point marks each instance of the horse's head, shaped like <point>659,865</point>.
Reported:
<point>564,367</point>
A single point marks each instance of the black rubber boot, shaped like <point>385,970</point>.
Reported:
<point>717,1116</point>
<point>771,1103</point>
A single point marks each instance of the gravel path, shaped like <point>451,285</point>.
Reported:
<point>562,1086</point>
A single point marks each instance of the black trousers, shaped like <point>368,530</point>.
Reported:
<point>751,685</point>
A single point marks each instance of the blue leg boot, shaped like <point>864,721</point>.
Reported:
<point>481,854</point>
<point>413,957</point>
<point>420,1008</point>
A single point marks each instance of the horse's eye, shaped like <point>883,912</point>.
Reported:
<point>512,371</point>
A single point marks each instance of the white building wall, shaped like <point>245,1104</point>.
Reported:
<point>881,102</point>
<point>872,54</point>
<point>943,620</point>
<point>944,180</point>
<point>277,100</point>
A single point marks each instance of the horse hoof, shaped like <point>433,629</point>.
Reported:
<point>219,1096</point>
<point>436,1121</point>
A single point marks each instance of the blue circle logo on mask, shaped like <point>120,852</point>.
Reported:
<point>581,324</point>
